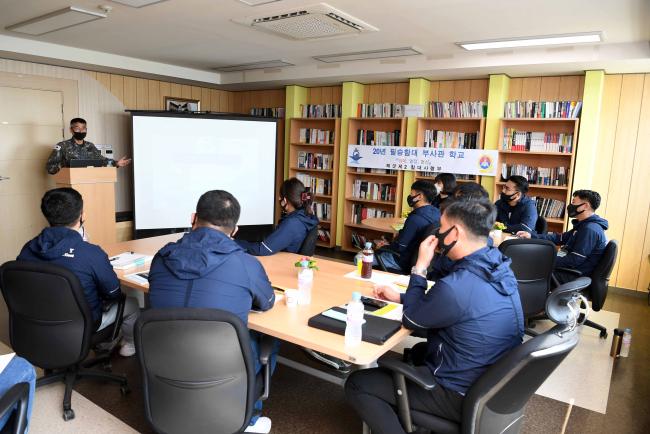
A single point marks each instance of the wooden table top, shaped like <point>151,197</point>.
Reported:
<point>499,237</point>
<point>289,324</point>
<point>384,224</point>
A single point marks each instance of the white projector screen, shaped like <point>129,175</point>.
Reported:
<point>177,159</point>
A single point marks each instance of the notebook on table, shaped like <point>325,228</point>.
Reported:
<point>376,330</point>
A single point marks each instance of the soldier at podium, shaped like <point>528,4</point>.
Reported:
<point>76,148</point>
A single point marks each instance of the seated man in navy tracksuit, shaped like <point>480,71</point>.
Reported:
<point>514,209</point>
<point>472,317</point>
<point>64,244</point>
<point>408,239</point>
<point>207,269</point>
<point>297,220</point>
<point>583,246</point>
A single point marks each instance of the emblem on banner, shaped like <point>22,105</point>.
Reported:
<point>355,157</point>
<point>485,163</point>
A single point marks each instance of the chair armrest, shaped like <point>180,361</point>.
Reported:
<point>427,382</point>
<point>266,347</point>
<point>17,394</point>
<point>570,270</point>
<point>121,302</point>
<point>380,261</point>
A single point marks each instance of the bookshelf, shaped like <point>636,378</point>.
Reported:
<point>460,125</point>
<point>383,190</point>
<point>552,128</point>
<point>322,174</point>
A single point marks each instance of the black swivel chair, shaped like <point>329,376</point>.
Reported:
<point>541,227</point>
<point>495,402</point>
<point>414,255</point>
<point>15,401</point>
<point>597,291</point>
<point>308,246</point>
<point>50,325</point>
<point>198,370</point>
<point>532,263</point>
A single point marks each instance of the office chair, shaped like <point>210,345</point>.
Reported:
<point>198,370</point>
<point>532,263</point>
<point>541,226</point>
<point>429,230</point>
<point>495,402</point>
<point>50,325</point>
<point>15,402</point>
<point>308,246</point>
<point>597,291</point>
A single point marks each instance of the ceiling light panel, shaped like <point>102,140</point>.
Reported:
<point>137,3</point>
<point>366,55</point>
<point>533,41</point>
<point>258,2</point>
<point>255,65</point>
<point>58,20</point>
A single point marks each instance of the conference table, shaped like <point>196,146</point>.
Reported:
<point>383,224</point>
<point>289,324</point>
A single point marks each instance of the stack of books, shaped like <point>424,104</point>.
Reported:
<point>380,110</point>
<point>456,109</point>
<point>555,176</point>
<point>311,160</point>
<point>543,109</point>
<point>316,136</point>
<point>320,110</point>
<point>378,138</point>
<point>268,112</point>
<point>536,141</point>
<point>324,235</point>
<point>549,208</point>
<point>450,139</point>
<point>361,212</point>
<point>373,191</point>
<point>316,185</point>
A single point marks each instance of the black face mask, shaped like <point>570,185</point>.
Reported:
<point>444,248</point>
<point>572,210</point>
<point>410,200</point>
<point>507,198</point>
<point>79,135</point>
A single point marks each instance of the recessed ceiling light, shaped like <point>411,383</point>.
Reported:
<point>533,41</point>
<point>138,3</point>
<point>365,55</point>
<point>255,65</point>
<point>57,20</point>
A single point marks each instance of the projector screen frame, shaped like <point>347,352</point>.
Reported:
<point>249,232</point>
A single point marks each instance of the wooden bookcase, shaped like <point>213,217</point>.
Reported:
<point>351,175</point>
<point>333,149</point>
<point>541,159</point>
<point>462,125</point>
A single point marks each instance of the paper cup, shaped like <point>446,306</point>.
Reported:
<point>291,297</point>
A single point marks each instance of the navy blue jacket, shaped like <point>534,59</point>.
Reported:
<point>64,247</point>
<point>287,237</point>
<point>441,265</point>
<point>521,217</point>
<point>582,246</point>
<point>207,269</point>
<point>407,241</point>
<point>472,316</point>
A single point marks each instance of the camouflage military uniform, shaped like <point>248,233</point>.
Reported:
<point>68,150</point>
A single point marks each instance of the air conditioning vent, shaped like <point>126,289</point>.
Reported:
<point>310,22</point>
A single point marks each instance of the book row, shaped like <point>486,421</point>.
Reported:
<point>362,212</point>
<point>316,136</point>
<point>322,210</point>
<point>554,176</point>
<point>324,235</point>
<point>543,109</point>
<point>378,138</point>
<point>450,139</point>
<point>320,110</point>
<point>373,191</point>
<point>311,160</point>
<point>549,208</point>
<point>268,112</point>
<point>315,184</point>
<point>456,109</point>
<point>536,141</point>
<point>380,110</point>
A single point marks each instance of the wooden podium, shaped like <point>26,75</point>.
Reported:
<point>97,186</point>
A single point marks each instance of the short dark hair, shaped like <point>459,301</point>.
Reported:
<point>62,206</point>
<point>470,190</point>
<point>590,196</point>
<point>78,121</point>
<point>295,192</point>
<point>520,182</point>
<point>219,208</point>
<point>427,188</point>
<point>477,216</point>
<point>448,182</point>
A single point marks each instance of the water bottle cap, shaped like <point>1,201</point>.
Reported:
<point>628,330</point>
<point>368,245</point>
<point>356,296</point>
<point>304,264</point>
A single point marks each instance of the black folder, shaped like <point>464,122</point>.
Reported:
<point>375,330</point>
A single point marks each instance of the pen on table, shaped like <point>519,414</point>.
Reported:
<point>118,257</point>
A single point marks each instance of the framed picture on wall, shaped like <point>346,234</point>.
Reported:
<point>173,104</point>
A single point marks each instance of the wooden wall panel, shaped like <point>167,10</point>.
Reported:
<point>402,93</point>
<point>514,90</point>
<point>446,91</point>
<point>142,94</point>
<point>462,90</point>
<point>571,87</point>
<point>130,93</point>
<point>459,90</point>
<point>206,103</point>
<point>165,90</point>
<point>104,79</point>
<point>155,102</point>
<point>530,88</point>
<point>479,90</point>
<point>623,159</point>
<point>550,89</point>
<point>117,86</point>
<point>434,91</point>
<point>315,95</point>
<point>196,92</point>
<point>321,95</point>
<point>175,90</point>
<point>186,91</point>
<point>388,92</point>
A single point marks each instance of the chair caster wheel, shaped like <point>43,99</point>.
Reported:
<point>68,414</point>
<point>603,335</point>
<point>124,390</point>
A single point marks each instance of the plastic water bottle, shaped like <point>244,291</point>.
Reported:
<point>627,341</point>
<point>354,321</point>
<point>358,261</point>
<point>367,260</point>
<point>305,282</point>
